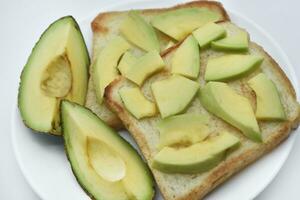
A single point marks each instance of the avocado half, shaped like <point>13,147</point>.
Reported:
<point>105,165</point>
<point>56,69</point>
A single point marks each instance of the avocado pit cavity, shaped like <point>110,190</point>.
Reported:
<point>57,77</point>
<point>105,160</point>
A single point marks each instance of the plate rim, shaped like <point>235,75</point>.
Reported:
<point>292,76</point>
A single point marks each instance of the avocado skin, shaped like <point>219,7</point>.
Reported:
<point>76,26</point>
<point>148,172</point>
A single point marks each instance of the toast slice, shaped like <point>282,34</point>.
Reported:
<point>196,186</point>
<point>106,25</point>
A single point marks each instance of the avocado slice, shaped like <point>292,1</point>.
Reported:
<point>173,94</point>
<point>105,165</point>
<point>197,158</point>
<point>139,32</point>
<point>136,103</point>
<point>146,65</point>
<point>219,99</point>
<point>208,33</point>
<point>180,23</point>
<point>182,130</point>
<point>237,42</point>
<point>268,104</point>
<point>56,69</point>
<point>231,66</point>
<point>186,60</point>
<point>127,61</point>
<point>105,66</point>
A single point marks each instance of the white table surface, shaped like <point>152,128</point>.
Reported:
<point>20,28</point>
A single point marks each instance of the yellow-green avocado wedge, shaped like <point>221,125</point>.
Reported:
<point>56,69</point>
<point>231,66</point>
<point>180,23</point>
<point>237,42</point>
<point>222,101</point>
<point>184,129</point>
<point>147,65</point>
<point>208,33</point>
<point>83,131</point>
<point>105,66</point>
<point>186,60</point>
<point>136,103</point>
<point>197,158</point>
<point>126,62</point>
<point>173,94</point>
<point>139,32</point>
<point>268,104</point>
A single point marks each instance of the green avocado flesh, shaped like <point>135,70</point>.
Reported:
<point>146,65</point>
<point>105,66</point>
<point>105,165</point>
<point>197,158</point>
<point>174,94</point>
<point>268,104</point>
<point>180,23</point>
<point>222,101</point>
<point>231,66</point>
<point>236,42</point>
<point>208,33</point>
<point>182,129</point>
<point>127,61</point>
<point>139,32</point>
<point>186,60</point>
<point>56,69</point>
<point>136,103</point>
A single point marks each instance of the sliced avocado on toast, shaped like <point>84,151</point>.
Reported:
<point>108,24</point>
<point>207,33</point>
<point>166,94</point>
<point>147,65</point>
<point>230,108</point>
<point>219,99</point>
<point>181,22</point>
<point>57,69</point>
<point>238,41</point>
<point>231,66</point>
<point>105,66</point>
<point>196,158</point>
<point>187,58</point>
<point>173,130</point>
<point>136,103</point>
<point>139,32</point>
<point>268,103</point>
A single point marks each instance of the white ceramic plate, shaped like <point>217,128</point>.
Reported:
<point>46,168</point>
